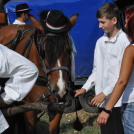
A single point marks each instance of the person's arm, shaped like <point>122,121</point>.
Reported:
<point>90,81</point>
<point>22,73</point>
<point>126,68</point>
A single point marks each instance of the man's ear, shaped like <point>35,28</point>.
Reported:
<point>23,14</point>
<point>114,20</point>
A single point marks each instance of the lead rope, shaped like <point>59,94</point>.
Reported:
<point>77,124</point>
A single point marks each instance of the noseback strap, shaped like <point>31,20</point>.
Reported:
<point>57,68</point>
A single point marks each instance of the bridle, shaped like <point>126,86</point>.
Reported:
<point>42,80</point>
<point>40,51</point>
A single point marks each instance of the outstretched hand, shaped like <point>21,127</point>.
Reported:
<point>79,92</point>
<point>98,99</point>
<point>102,118</point>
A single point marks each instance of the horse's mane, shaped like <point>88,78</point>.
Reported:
<point>54,48</point>
<point>55,45</point>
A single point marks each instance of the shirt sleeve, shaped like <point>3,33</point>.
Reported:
<point>92,78</point>
<point>22,73</point>
<point>3,123</point>
<point>6,98</point>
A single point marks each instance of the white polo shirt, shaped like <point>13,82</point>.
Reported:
<point>107,62</point>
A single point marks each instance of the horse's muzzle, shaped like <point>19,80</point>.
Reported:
<point>59,95</point>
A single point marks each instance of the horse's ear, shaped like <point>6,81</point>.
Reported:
<point>36,23</point>
<point>73,20</point>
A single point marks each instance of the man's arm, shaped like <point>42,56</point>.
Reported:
<point>87,86</point>
<point>90,81</point>
<point>22,73</point>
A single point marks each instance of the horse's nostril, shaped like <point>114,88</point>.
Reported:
<point>54,92</point>
<point>66,91</point>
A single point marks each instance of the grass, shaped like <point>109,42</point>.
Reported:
<point>88,121</point>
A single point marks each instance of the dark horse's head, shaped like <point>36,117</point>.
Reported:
<point>57,49</point>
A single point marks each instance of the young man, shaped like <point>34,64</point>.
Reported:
<point>22,75</point>
<point>107,62</point>
<point>22,11</point>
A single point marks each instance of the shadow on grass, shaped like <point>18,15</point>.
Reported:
<point>43,127</point>
<point>66,127</point>
<point>90,120</point>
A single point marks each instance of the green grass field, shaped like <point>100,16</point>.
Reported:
<point>88,121</point>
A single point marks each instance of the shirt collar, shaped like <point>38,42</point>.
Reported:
<point>113,39</point>
<point>19,22</point>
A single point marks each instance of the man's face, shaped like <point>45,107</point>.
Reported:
<point>107,25</point>
<point>26,17</point>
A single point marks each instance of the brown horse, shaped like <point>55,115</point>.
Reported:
<point>53,60</point>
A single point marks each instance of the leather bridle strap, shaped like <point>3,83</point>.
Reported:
<point>45,70</point>
<point>56,68</point>
<point>44,96</point>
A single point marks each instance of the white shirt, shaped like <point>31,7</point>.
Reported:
<point>19,22</point>
<point>128,95</point>
<point>107,62</point>
<point>22,73</point>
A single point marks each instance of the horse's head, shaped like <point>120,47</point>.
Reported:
<point>57,60</point>
<point>57,50</point>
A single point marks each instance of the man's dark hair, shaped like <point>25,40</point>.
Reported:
<point>19,14</point>
<point>109,10</point>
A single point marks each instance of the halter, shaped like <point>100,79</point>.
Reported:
<point>40,53</point>
<point>48,71</point>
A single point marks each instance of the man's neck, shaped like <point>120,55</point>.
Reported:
<point>113,33</point>
<point>20,19</point>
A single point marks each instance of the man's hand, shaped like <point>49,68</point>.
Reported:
<point>98,99</point>
<point>80,92</point>
<point>102,118</point>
